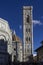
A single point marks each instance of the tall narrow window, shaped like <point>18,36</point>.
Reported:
<point>27,18</point>
<point>14,48</point>
<point>29,29</point>
<point>29,38</point>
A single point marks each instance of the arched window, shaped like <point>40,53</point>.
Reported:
<point>2,37</point>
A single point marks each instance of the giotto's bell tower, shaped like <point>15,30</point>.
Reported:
<point>27,32</point>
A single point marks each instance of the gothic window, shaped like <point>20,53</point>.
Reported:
<point>14,48</point>
<point>27,30</point>
<point>29,38</point>
<point>27,18</point>
<point>14,58</point>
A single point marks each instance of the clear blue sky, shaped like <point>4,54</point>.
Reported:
<point>11,10</point>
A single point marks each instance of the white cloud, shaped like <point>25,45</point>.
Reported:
<point>37,22</point>
<point>34,54</point>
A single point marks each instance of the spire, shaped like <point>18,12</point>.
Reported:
<point>14,32</point>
